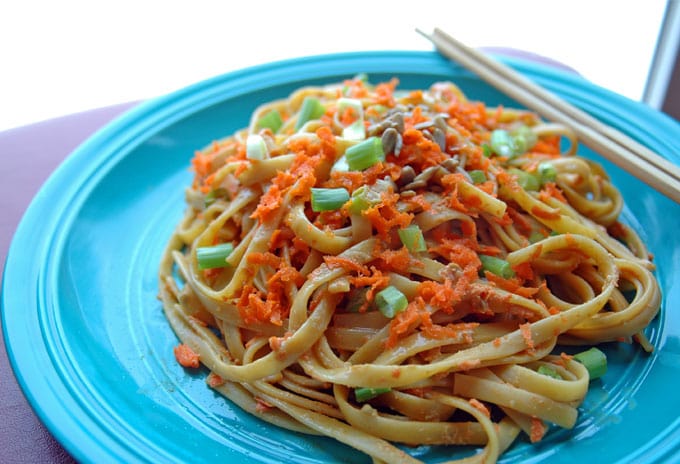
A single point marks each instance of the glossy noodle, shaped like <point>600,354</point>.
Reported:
<point>386,266</point>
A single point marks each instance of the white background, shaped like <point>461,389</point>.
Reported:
<point>68,56</point>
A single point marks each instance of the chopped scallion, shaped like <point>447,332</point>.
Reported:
<point>523,139</point>
<point>501,143</point>
<point>547,172</point>
<point>412,238</point>
<point>364,393</point>
<point>211,257</point>
<point>328,199</point>
<point>272,120</point>
<point>594,360</point>
<point>356,130</point>
<point>363,198</point>
<point>526,180</point>
<point>486,150</point>
<point>365,154</point>
<point>536,236</point>
<point>311,109</point>
<point>340,165</point>
<point>549,371</point>
<point>213,195</point>
<point>477,176</point>
<point>497,266</point>
<point>256,148</point>
<point>513,143</point>
<point>390,301</point>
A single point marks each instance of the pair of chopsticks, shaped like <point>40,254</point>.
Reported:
<point>610,143</point>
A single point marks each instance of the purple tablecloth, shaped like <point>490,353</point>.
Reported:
<point>29,155</point>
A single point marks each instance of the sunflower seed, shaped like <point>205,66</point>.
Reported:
<point>389,139</point>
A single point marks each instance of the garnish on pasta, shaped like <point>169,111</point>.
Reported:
<point>387,266</point>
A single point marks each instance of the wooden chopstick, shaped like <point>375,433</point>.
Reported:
<point>610,143</point>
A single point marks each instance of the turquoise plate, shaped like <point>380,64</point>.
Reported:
<point>93,353</point>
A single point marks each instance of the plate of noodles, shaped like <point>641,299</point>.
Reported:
<point>362,257</point>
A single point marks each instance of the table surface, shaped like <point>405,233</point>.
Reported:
<point>30,154</point>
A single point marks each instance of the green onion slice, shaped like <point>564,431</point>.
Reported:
<point>272,120</point>
<point>477,176</point>
<point>501,143</point>
<point>526,180</point>
<point>363,198</point>
<point>549,371</point>
<point>412,238</point>
<point>256,148</point>
<point>487,151</point>
<point>547,172</point>
<point>364,154</point>
<point>356,130</point>
<point>364,393</point>
<point>594,360</point>
<point>211,257</point>
<point>311,109</point>
<point>390,301</point>
<point>328,199</point>
<point>513,143</point>
<point>213,195</point>
<point>536,236</point>
<point>523,139</point>
<point>497,266</point>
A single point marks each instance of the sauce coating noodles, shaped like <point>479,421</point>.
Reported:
<point>384,266</point>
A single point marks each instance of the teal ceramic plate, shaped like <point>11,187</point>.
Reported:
<point>93,352</point>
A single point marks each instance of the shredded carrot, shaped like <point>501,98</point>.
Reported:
<point>264,259</point>
<point>348,116</point>
<point>538,429</point>
<point>550,190</point>
<point>524,270</point>
<point>522,223</point>
<point>355,88</point>
<point>215,380</point>
<point>480,406</point>
<point>186,357</point>
<point>525,329</point>
<point>452,330</point>
<point>262,406</point>
<point>385,215</point>
<point>385,92</point>
<point>469,228</point>
<point>417,150</point>
<point>310,156</point>
<point>345,263</point>
<point>280,237</point>
<point>512,285</point>
<point>549,145</point>
<point>397,260</point>
<point>418,202</point>
<point>406,321</point>
<point>270,202</point>
<point>375,281</point>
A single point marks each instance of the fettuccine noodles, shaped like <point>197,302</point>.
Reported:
<point>390,266</point>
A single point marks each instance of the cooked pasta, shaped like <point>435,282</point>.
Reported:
<point>392,267</point>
